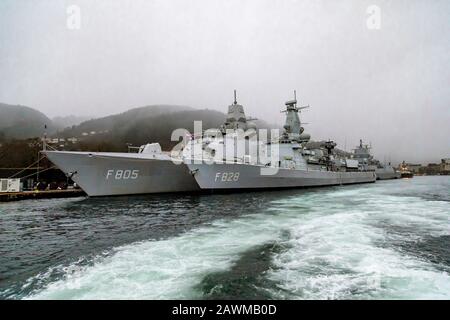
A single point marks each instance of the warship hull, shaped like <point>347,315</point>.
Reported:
<point>244,176</point>
<point>387,174</point>
<point>105,174</point>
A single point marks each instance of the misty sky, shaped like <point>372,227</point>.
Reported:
<point>389,86</point>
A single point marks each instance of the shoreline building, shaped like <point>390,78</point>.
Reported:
<point>445,166</point>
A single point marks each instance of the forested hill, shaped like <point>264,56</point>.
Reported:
<point>136,126</point>
<point>121,121</point>
<point>149,124</point>
<point>20,122</point>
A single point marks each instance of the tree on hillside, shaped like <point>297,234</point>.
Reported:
<point>19,153</point>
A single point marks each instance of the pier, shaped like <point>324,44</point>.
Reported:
<point>25,195</point>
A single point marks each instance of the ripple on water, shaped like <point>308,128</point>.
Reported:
<point>355,242</point>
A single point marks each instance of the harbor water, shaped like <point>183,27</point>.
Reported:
<point>385,240</point>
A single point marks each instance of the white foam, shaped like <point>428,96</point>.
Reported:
<point>163,269</point>
<point>342,253</point>
<point>337,250</point>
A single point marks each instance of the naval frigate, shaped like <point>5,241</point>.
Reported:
<point>294,166</point>
<point>366,160</point>
<point>150,170</point>
<point>120,173</point>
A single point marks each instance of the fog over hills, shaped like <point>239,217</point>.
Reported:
<point>121,120</point>
<point>154,123</point>
<point>21,122</point>
<point>386,85</point>
<point>68,121</point>
<point>147,124</point>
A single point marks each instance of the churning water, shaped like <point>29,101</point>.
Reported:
<point>388,240</point>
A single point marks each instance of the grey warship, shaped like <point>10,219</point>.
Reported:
<point>296,165</point>
<point>365,159</point>
<point>150,170</point>
<point>120,173</point>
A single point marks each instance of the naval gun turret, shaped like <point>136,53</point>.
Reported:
<point>293,129</point>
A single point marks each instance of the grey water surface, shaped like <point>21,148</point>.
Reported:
<point>388,240</point>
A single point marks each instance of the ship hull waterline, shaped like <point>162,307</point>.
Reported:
<point>385,174</point>
<point>109,174</point>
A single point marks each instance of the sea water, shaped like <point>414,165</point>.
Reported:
<point>387,240</point>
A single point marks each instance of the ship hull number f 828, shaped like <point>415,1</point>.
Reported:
<point>227,176</point>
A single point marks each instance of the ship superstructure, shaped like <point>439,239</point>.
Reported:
<point>294,166</point>
<point>365,159</point>
<point>150,170</point>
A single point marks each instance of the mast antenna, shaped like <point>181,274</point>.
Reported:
<point>235,100</point>
<point>44,140</point>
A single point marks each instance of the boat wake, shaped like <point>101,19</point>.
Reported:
<point>345,243</point>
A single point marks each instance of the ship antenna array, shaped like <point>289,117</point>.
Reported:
<point>293,104</point>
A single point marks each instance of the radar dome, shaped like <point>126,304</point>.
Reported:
<point>251,125</point>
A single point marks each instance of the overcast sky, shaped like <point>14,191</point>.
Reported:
<point>388,85</point>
